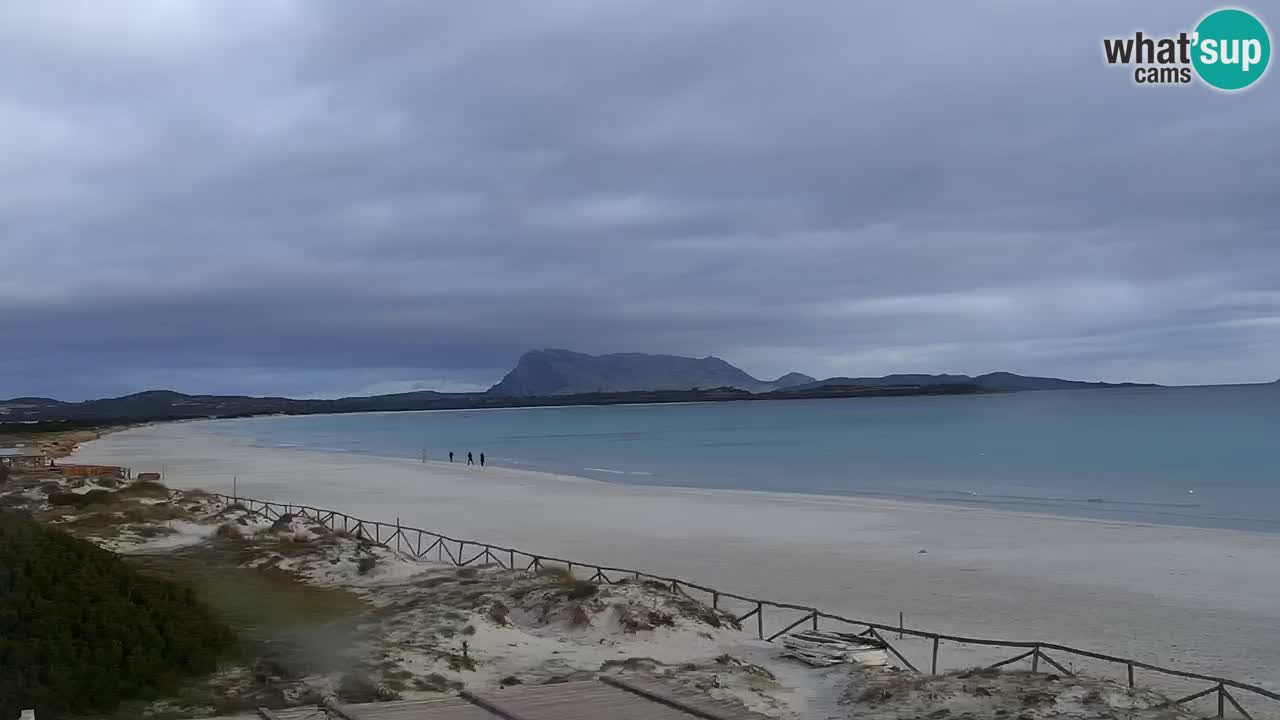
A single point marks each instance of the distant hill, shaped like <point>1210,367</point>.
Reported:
<point>542,377</point>
<point>24,420</point>
<point>171,405</point>
<point>991,382</point>
<point>564,372</point>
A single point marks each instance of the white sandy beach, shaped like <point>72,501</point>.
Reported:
<point>1201,600</point>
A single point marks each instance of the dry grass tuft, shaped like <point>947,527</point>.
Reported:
<point>228,531</point>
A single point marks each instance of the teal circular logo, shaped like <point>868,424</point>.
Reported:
<point>1232,49</point>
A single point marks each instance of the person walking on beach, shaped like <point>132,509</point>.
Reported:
<point>469,460</point>
<point>450,456</point>
<point>481,459</point>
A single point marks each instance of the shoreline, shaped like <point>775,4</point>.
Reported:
<point>1198,598</point>
<point>903,502</point>
<point>866,501</point>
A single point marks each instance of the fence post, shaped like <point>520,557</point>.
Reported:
<point>1035,660</point>
<point>815,619</point>
<point>760,619</point>
<point>935,657</point>
<point>900,625</point>
<point>715,599</point>
<point>1222,699</point>
<point>397,534</point>
<point>1130,674</point>
<point>235,482</point>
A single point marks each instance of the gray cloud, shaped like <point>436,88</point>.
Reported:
<point>323,198</point>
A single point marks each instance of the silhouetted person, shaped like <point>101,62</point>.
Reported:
<point>481,459</point>
<point>450,456</point>
<point>469,460</point>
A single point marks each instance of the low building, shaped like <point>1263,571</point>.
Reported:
<point>77,470</point>
<point>24,457</point>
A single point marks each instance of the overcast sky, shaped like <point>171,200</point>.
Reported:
<point>323,198</point>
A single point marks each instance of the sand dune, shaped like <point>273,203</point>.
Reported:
<point>1202,600</point>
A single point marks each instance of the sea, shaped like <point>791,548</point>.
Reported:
<point>1199,456</point>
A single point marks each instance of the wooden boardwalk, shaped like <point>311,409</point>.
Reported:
<point>629,699</point>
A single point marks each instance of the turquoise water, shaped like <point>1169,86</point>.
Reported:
<point>1192,456</point>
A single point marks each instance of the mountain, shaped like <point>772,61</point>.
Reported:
<point>991,382</point>
<point>564,372</point>
<point>542,377</point>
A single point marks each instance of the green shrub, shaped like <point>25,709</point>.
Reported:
<point>80,631</point>
<point>81,500</point>
<point>68,499</point>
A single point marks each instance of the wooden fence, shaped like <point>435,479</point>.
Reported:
<point>420,544</point>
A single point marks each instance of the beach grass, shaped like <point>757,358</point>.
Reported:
<point>254,599</point>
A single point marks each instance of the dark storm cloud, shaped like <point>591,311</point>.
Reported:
<point>317,198</point>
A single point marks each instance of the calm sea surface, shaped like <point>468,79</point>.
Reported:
<point>1191,456</point>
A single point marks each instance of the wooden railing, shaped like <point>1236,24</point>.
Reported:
<point>411,540</point>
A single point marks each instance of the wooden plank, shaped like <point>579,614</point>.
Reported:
<point>894,650</point>
<point>681,702</point>
<point>491,707</point>
<point>787,629</point>
<point>454,708</point>
<point>1236,705</point>
<point>1054,663</point>
<point>597,703</point>
<point>336,709</point>
<point>1193,696</point>
<point>1000,664</point>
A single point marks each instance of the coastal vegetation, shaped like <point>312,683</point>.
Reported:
<point>81,631</point>
<point>169,406</point>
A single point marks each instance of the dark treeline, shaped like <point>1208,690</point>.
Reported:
<point>53,426</point>
<point>163,405</point>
